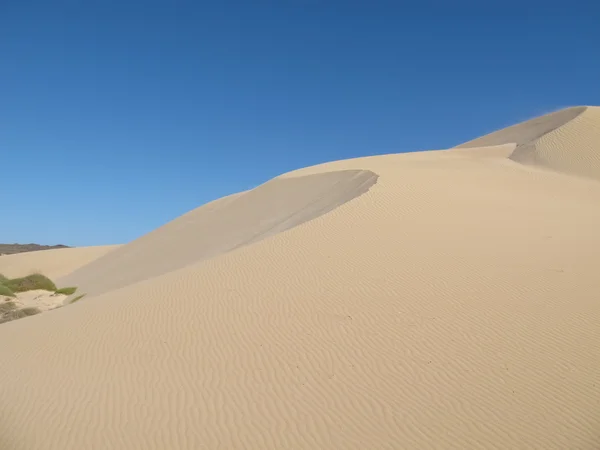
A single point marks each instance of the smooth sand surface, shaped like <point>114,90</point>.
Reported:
<point>54,263</point>
<point>452,304</point>
<point>221,226</point>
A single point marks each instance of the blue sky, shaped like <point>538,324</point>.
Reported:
<point>116,117</point>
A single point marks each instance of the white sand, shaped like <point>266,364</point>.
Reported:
<point>453,304</point>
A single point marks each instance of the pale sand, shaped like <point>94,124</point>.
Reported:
<point>221,226</point>
<point>43,300</point>
<point>453,304</point>
<point>540,141</point>
<point>54,263</point>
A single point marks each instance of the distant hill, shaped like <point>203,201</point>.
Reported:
<point>9,249</point>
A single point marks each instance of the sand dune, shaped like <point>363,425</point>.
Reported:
<point>222,226</point>
<point>444,299</point>
<point>526,132</point>
<point>567,141</point>
<point>53,263</point>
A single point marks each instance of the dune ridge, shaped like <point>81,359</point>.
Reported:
<point>566,141</point>
<point>526,132</point>
<point>452,304</point>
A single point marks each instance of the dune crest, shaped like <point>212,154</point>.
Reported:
<point>444,299</point>
<point>524,133</point>
<point>565,141</point>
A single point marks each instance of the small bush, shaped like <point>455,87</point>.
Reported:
<point>30,283</point>
<point>5,290</point>
<point>79,297</point>
<point>66,290</point>
<point>3,278</point>
<point>19,314</point>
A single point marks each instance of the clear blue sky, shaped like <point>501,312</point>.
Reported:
<point>118,116</point>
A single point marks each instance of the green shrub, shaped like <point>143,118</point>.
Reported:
<point>30,283</point>
<point>5,290</point>
<point>66,290</point>
<point>3,278</point>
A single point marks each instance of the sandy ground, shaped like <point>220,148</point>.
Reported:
<point>444,299</point>
<point>53,263</point>
<point>43,300</point>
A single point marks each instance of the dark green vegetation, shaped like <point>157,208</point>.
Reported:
<point>4,290</point>
<point>66,290</point>
<point>8,286</point>
<point>30,283</point>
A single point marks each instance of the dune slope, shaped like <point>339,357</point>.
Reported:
<point>53,263</point>
<point>454,304</point>
<point>222,226</point>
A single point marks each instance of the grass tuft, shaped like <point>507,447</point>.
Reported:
<point>66,290</point>
<point>30,283</point>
